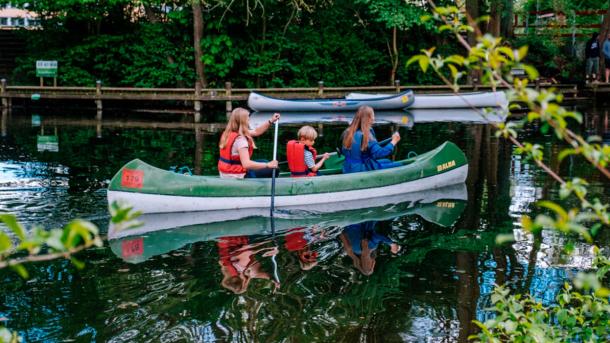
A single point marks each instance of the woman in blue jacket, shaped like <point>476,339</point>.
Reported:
<point>360,147</point>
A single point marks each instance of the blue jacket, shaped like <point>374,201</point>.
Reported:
<point>358,232</point>
<point>357,160</point>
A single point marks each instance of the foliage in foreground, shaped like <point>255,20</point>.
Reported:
<point>582,315</point>
<point>38,244</point>
<point>577,316</point>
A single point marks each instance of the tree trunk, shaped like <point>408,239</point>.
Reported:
<point>473,12</point>
<point>495,14</point>
<point>394,56</point>
<point>472,8</point>
<point>197,34</point>
<point>506,23</point>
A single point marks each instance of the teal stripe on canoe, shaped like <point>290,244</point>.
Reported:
<point>137,176</point>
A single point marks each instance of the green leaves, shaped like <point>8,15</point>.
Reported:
<point>11,222</point>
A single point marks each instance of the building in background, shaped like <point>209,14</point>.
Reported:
<point>13,18</point>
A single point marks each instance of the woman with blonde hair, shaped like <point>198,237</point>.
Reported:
<point>236,145</point>
<point>360,147</point>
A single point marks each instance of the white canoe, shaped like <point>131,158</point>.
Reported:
<point>262,103</point>
<point>447,100</point>
<point>403,118</point>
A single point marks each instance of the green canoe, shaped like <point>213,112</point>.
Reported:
<point>153,190</point>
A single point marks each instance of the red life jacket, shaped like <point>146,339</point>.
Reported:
<point>231,164</point>
<point>295,153</point>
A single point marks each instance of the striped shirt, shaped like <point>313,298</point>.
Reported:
<point>309,161</point>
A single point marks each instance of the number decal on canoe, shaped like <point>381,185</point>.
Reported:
<point>446,165</point>
<point>339,104</point>
<point>132,247</point>
<point>132,178</point>
<point>405,99</point>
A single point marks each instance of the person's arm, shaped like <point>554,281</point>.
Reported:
<point>247,163</point>
<point>607,49</point>
<point>377,151</point>
<point>320,163</point>
<point>264,126</point>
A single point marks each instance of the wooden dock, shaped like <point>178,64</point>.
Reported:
<point>197,95</point>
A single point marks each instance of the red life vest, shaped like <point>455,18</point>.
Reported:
<point>295,153</point>
<point>231,164</point>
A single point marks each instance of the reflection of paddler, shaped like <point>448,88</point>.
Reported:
<point>361,242</point>
<point>238,263</point>
<point>298,240</point>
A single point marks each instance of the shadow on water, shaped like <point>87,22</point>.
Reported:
<point>333,276</point>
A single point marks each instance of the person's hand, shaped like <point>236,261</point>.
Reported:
<point>275,117</point>
<point>272,164</point>
<point>395,138</point>
<point>271,252</point>
<point>325,156</point>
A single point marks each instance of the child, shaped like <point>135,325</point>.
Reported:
<point>302,156</point>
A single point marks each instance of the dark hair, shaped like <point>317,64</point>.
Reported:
<point>594,35</point>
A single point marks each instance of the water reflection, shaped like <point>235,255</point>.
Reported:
<point>360,243</point>
<point>167,283</point>
<point>240,261</point>
<point>169,231</point>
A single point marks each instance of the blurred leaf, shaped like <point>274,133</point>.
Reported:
<point>11,222</point>
<point>20,269</point>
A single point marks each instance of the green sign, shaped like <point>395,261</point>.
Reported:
<point>47,143</point>
<point>46,68</point>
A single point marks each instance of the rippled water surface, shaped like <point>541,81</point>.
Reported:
<point>419,270</point>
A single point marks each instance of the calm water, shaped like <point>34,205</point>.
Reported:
<point>418,271</point>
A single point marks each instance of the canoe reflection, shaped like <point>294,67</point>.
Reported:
<point>246,247</point>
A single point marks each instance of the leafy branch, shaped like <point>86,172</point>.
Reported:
<point>494,60</point>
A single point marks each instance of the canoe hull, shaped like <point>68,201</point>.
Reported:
<point>448,100</point>
<point>262,103</point>
<point>159,203</point>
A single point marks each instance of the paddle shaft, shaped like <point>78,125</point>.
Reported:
<point>273,174</point>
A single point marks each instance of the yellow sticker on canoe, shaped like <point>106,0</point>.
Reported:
<point>405,99</point>
<point>445,165</point>
<point>445,204</point>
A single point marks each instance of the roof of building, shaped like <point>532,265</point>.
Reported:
<point>16,13</point>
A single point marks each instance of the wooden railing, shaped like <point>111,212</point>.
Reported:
<point>227,94</point>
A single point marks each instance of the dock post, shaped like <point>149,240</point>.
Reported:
<point>3,93</point>
<point>320,88</point>
<point>475,84</point>
<point>197,102</point>
<point>3,122</point>
<point>397,85</point>
<point>537,81</point>
<point>98,100</point>
<point>229,104</point>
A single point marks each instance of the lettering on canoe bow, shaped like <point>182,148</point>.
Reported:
<point>446,165</point>
<point>132,247</point>
<point>132,178</point>
<point>339,104</point>
<point>445,204</point>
